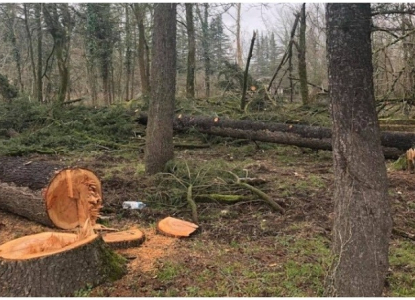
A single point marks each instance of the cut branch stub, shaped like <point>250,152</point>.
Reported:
<point>73,196</point>
<point>175,227</point>
<point>56,264</point>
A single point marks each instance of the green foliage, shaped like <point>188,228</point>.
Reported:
<point>54,129</point>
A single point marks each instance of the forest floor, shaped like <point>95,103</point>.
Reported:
<point>241,249</point>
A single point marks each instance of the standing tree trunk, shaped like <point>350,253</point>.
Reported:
<point>39,77</point>
<point>302,66</point>
<point>128,53</point>
<point>362,222</point>
<point>159,133</point>
<point>139,12</point>
<point>191,55</point>
<point>29,37</point>
<point>60,24</point>
<point>238,36</point>
<point>205,45</point>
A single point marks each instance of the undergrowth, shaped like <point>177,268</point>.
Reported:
<point>52,129</point>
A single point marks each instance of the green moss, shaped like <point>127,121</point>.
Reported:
<point>113,264</point>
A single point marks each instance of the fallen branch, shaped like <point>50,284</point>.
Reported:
<point>227,199</point>
<point>260,193</point>
<point>403,234</point>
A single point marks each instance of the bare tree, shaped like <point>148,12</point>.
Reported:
<point>191,55</point>
<point>60,24</point>
<point>362,222</point>
<point>159,133</point>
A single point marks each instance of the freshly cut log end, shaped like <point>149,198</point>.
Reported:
<point>72,197</point>
<point>53,264</point>
<point>176,228</point>
<point>124,239</point>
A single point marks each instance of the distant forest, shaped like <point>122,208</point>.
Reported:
<point>101,52</point>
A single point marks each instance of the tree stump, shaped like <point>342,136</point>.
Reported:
<point>53,264</point>
<point>176,228</point>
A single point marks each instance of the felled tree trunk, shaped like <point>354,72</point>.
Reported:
<point>313,137</point>
<point>48,194</point>
<point>52,264</point>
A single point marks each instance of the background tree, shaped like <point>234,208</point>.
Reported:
<point>60,24</point>
<point>362,223</point>
<point>143,49</point>
<point>159,132</point>
<point>302,66</point>
<point>191,55</point>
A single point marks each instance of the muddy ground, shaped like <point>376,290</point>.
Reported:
<point>243,249</point>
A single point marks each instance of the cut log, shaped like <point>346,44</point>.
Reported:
<point>313,137</point>
<point>47,194</point>
<point>52,264</point>
<point>124,239</point>
<point>176,228</point>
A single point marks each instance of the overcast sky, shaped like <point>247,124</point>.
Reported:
<point>271,17</point>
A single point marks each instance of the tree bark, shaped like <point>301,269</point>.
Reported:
<point>191,55</point>
<point>362,222</point>
<point>73,267</point>
<point>159,133</point>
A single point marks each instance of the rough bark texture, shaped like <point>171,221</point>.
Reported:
<point>313,137</point>
<point>159,142</point>
<point>191,55</point>
<point>20,187</point>
<point>62,273</point>
<point>362,222</point>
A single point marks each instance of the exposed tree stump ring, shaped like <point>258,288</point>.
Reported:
<point>56,272</point>
<point>124,239</point>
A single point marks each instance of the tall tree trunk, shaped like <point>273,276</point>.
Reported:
<point>302,66</point>
<point>11,23</point>
<point>159,133</point>
<point>139,11</point>
<point>128,56</point>
<point>362,222</point>
<point>29,37</point>
<point>60,24</point>
<point>39,77</point>
<point>238,36</point>
<point>191,55</point>
<point>204,20</point>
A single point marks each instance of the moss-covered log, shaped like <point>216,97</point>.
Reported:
<point>56,264</point>
<point>313,137</point>
<point>46,193</point>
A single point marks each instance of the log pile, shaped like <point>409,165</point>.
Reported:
<point>313,137</point>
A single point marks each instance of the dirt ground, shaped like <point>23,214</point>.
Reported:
<point>229,234</point>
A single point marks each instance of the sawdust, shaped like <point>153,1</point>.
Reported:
<point>154,247</point>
